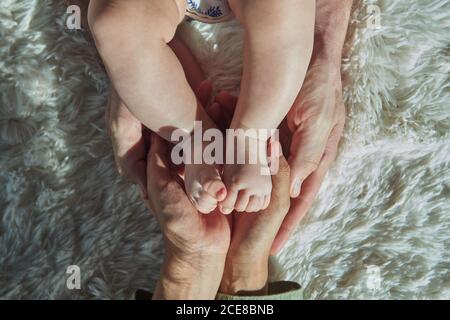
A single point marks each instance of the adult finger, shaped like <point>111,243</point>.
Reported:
<point>167,201</point>
<point>269,220</point>
<point>228,104</point>
<point>129,147</point>
<point>227,100</point>
<point>301,204</point>
<point>158,168</point>
<point>214,111</point>
<point>307,148</point>
<point>279,203</point>
<point>135,168</point>
<point>203,92</point>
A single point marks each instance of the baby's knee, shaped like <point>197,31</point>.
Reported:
<point>113,22</point>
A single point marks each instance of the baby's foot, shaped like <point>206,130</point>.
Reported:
<point>204,186</point>
<point>248,189</point>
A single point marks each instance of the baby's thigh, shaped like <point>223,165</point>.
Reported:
<point>134,16</point>
<point>265,12</point>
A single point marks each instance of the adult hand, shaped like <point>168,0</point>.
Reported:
<point>130,142</point>
<point>246,266</point>
<point>195,244</point>
<point>316,121</point>
<point>317,118</point>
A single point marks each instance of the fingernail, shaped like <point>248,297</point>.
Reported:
<point>296,187</point>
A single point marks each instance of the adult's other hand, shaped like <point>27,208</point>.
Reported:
<point>195,244</point>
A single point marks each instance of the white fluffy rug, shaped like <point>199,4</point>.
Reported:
<point>384,209</point>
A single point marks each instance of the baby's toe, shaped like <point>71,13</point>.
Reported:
<point>204,203</point>
<point>228,204</point>
<point>216,189</point>
<point>242,201</point>
<point>254,204</point>
<point>266,202</point>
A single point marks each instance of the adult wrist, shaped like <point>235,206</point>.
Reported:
<point>247,277</point>
<point>187,279</point>
<point>196,288</point>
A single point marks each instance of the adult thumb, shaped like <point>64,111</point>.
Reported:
<point>307,149</point>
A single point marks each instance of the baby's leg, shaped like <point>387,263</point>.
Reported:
<point>277,50</point>
<point>132,37</point>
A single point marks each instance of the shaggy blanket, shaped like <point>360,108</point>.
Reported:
<point>380,227</point>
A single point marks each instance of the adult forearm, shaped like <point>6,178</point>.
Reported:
<point>332,18</point>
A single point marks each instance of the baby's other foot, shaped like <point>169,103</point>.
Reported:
<point>247,189</point>
<point>204,186</point>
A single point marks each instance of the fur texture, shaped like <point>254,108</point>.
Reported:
<point>384,205</point>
